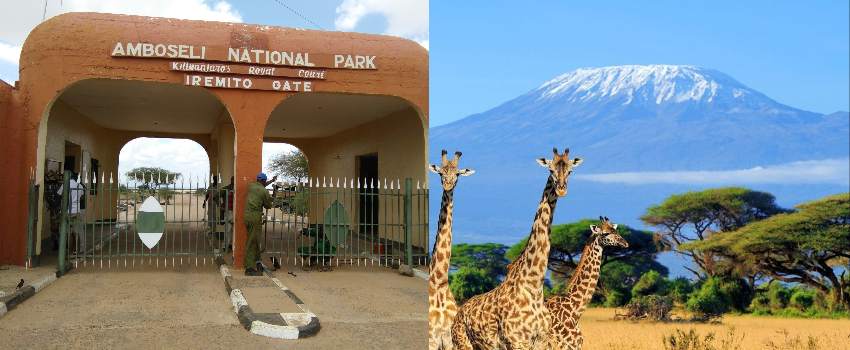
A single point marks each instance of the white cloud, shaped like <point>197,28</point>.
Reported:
<point>18,18</point>
<point>405,18</point>
<point>181,155</point>
<point>9,53</point>
<point>828,171</point>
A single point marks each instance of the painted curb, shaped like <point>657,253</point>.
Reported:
<point>272,325</point>
<point>10,301</point>
<point>421,274</point>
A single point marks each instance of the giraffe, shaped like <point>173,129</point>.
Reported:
<point>565,310</point>
<point>441,303</point>
<point>512,315</point>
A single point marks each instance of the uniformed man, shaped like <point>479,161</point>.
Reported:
<point>258,199</point>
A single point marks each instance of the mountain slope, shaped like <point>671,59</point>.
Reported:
<point>626,119</point>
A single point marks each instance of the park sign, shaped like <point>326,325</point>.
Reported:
<point>245,68</point>
<point>150,222</point>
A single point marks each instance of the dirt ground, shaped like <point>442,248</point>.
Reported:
<point>189,309</point>
<point>601,332</point>
<point>10,276</point>
<point>389,310</point>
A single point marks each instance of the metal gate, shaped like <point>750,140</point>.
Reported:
<point>333,221</point>
<point>151,219</point>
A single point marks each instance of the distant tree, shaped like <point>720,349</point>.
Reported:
<point>489,257</point>
<point>468,281</point>
<point>152,177</point>
<point>695,216</point>
<point>621,268</point>
<point>291,165</point>
<point>477,268</point>
<point>804,246</point>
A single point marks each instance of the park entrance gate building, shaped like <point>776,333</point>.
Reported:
<point>355,104</point>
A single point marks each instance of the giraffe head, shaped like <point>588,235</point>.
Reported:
<point>607,234</point>
<point>449,171</point>
<point>560,167</point>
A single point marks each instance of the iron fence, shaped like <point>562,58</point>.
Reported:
<point>333,221</point>
<point>145,220</point>
<point>149,220</point>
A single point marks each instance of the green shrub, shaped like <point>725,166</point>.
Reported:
<point>760,304</point>
<point>649,283</point>
<point>802,299</point>
<point>615,298</point>
<point>717,296</point>
<point>778,295</point>
<point>679,289</point>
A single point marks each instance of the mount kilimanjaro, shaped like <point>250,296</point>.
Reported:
<point>635,118</point>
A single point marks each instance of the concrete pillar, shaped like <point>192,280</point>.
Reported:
<point>250,125</point>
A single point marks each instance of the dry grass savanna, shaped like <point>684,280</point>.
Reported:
<point>741,332</point>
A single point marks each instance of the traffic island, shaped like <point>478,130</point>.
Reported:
<point>291,319</point>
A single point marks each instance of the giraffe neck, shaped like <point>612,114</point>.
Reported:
<point>442,252</point>
<point>583,282</point>
<point>531,265</point>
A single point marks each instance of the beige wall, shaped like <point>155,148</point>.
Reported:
<point>399,142</point>
<point>66,124</point>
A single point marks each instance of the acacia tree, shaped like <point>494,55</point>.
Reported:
<point>291,165</point>
<point>804,246</point>
<point>695,216</point>
<point>621,268</point>
<point>152,178</point>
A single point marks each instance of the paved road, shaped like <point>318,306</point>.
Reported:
<point>188,309</point>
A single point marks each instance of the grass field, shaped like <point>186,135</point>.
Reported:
<point>602,332</point>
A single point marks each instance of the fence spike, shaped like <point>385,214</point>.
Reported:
<point>398,183</point>
<point>337,182</point>
<point>392,185</point>
<point>417,184</point>
<point>385,183</point>
<point>352,183</point>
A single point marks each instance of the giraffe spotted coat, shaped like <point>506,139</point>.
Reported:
<point>441,302</point>
<point>566,310</point>
<point>513,316</point>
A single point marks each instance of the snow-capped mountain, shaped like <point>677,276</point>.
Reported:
<point>643,117</point>
<point>658,84</point>
<point>633,119</point>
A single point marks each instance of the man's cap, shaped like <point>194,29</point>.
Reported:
<point>262,177</point>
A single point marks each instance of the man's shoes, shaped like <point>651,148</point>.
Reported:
<point>251,272</point>
<point>260,267</point>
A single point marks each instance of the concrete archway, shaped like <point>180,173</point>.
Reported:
<point>91,121</point>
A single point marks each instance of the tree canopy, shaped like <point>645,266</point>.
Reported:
<point>803,246</point>
<point>694,216</point>
<point>291,165</point>
<point>489,257</point>
<point>478,268</point>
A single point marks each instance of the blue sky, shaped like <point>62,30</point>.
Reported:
<point>484,53</point>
